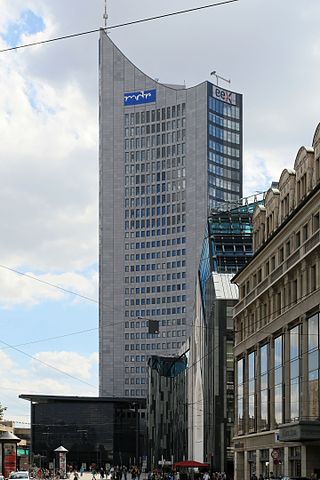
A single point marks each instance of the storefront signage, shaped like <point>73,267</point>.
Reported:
<point>139,98</point>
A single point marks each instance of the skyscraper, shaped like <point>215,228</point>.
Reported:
<point>167,154</point>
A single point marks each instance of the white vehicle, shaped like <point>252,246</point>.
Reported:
<point>23,475</point>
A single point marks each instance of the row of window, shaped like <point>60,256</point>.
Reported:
<point>137,381</point>
<point>255,371</point>
<point>224,135</point>
<point>163,323</point>
<point>145,335</point>
<point>154,153</point>
<point>156,233</point>
<point>135,369</point>
<point>222,171</point>
<point>155,266</point>
<point>153,255</point>
<point>224,122</point>
<point>225,184</point>
<point>155,115</point>
<point>155,127</point>
<point>154,278</point>
<point>218,196</point>
<point>154,140</point>
<point>135,393</point>
<point>163,288</point>
<point>152,346</point>
<point>284,251</point>
<point>175,186</point>
<point>138,157</point>
<point>155,312</point>
<point>158,166</point>
<point>154,222</point>
<point>153,178</point>
<point>225,161</point>
<point>159,243</point>
<point>154,199</point>
<point>224,109</point>
<point>224,149</point>
<point>153,300</point>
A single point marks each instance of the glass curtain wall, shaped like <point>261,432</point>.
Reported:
<point>278,380</point>
<point>252,391</point>
<point>264,387</point>
<point>313,367</point>
<point>294,373</point>
<point>240,400</point>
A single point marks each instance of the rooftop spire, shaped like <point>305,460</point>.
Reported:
<point>105,15</point>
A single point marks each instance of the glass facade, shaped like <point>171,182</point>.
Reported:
<point>313,367</point>
<point>264,387</point>
<point>240,395</point>
<point>295,373</point>
<point>278,380</point>
<point>252,391</point>
<point>224,147</point>
<point>93,430</point>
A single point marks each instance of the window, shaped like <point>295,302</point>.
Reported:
<point>251,391</point>
<point>294,372</point>
<point>264,387</point>
<point>278,380</point>
<point>313,367</point>
<point>240,400</point>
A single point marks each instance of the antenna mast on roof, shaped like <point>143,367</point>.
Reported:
<point>105,15</point>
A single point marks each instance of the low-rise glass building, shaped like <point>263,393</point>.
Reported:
<point>95,431</point>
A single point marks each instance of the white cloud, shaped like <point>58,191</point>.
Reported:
<point>21,290</point>
<point>69,362</point>
<point>38,379</point>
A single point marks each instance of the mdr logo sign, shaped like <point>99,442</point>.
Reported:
<point>139,98</point>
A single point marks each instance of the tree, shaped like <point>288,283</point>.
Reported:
<point>2,410</point>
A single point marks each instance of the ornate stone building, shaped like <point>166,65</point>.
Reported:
<point>277,329</point>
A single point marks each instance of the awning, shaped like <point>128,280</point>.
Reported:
<point>190,464</point>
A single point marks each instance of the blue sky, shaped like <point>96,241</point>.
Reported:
<point>27,24</point>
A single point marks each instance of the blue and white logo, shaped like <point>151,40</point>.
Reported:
<point>139,98</point>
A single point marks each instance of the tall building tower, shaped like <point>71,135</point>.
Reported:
<point>167,154</point>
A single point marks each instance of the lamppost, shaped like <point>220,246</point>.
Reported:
<point>136,410</point>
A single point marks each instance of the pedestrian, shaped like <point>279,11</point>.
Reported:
<point>94,473</point>
<point>206,476</point>
<point>81,470</point>
<point>75,474</point>
<point>101,472</point>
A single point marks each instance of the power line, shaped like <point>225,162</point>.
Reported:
<point>120,25</point>
<point>79,332</point>
<point>47,364</point>
<point>65,290</point>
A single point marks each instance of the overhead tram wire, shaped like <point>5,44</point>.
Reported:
<point>58,337</point>
<point>120,25</point>
<point>205,327</point>
<point>48,365</point>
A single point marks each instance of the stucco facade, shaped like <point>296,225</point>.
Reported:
<point>277,329</point>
